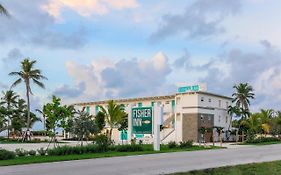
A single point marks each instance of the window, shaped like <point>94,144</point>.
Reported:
<point>152,103</point>
<point>219,118</point>
<point>227,104</point>
<point>210,100</point>
<point>167,102</point>
<point>226,119</point>
<point>159,103</point>
<point>219,103</point>
<point>202,98</point>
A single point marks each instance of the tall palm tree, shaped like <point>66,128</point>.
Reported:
<point>114,115</point>
<point>27,74</point>
<point>9,99</point>
<point>232,110</point>
<point>3,10</point>
<point>242,95</point>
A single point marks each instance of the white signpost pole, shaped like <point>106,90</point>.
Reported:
<point>129,112</point>
<point>156,127</point>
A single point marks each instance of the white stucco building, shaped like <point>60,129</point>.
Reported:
<point>183,113</point>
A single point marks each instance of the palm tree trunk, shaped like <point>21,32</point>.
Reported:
<point>28,108</point>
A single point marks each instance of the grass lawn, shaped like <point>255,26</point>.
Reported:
<point>267,168</point>
<point>42,159</point>
<point>262,143</point>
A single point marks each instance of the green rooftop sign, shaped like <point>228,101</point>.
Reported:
<point>194,88</point>
<point>142,120</point>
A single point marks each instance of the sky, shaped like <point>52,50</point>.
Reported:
<point>106,49</point>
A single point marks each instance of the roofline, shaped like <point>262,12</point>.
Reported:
<point>162,97</point>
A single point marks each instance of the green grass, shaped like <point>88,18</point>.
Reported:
<point>262,143</point>
<point>267,168</point>
<point>43,159</point>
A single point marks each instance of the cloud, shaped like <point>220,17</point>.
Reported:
<point>87,7</point>
<point>183,61</point>
<point>30,25</point>
<point>106,79</point>
<point>68,91</point>
<point>261,70</point>
<point>200,19</point>
<point>13,55</point>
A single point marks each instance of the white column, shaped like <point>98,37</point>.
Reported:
<point>129,112</point>
<point>157,115</point>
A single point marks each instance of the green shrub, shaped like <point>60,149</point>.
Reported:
<point>42,151</point>
<point>103,142</point>
<point>128,148</point>
<point>186,144</point>
<point>5,154</point>
<point>172,144</point>
<point>263,139</point>
<point>32,152</point>
<point>21,152</point>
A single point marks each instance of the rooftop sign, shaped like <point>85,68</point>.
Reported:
<point>192,88</point>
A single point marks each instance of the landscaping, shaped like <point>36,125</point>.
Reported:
<point>90,151</point>
<point>266,168</point>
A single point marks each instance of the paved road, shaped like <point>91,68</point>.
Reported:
<point>151,164</point>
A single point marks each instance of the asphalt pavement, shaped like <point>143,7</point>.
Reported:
<point>151,164</point>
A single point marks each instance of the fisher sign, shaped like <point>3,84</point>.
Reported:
<point>142,120</point>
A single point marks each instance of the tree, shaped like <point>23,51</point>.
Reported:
<point>3,119</point>
<point>3,10</point>
<point>56,117</point>
<point>100,121</point>
<point>242,95</point>
<point>232,110</point>
<point>9,100</point>
<point>114,115</point>
<point>27,74</point>
<point>83,126</point>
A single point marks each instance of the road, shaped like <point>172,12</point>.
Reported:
<point>151,164</point>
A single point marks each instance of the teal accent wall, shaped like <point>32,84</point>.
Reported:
<point>173,104</point>
<point>140,104</point>
<point>88,109</point>
<point>123,135</point>
<point>97,109</point>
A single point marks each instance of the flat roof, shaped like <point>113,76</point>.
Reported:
<point>163,97</point>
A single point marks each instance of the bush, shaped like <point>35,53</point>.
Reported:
<point>103,142</point>
<point>128,148</point>
<point>32,152</point>
<point>263,139</point>
<point>172,144</point>
<point>6,155</point>
<point>42,151</point>
<point>186,144</point>
<point>68,150</point>
<point>21,152</point>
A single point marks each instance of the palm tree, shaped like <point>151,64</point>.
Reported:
<point>3,10</point>
<point>9,99</point>
<point>26,74</point>
<point>242,96</point>
<point>114,115</point>
<point>232,110</point>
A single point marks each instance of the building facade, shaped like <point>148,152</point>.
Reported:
<point>183,115</point>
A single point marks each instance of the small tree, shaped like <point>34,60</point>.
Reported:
<point>100,121</point>
<point>114,115</point>
<point>83,126</point>
<point>56,117</point>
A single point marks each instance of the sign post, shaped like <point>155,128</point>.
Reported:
<point>158,112</point>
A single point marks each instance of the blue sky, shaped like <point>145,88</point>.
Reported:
<point>102,49</point>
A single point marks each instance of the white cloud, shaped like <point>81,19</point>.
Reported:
<point>87,7</point>
<point>104,79</point>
